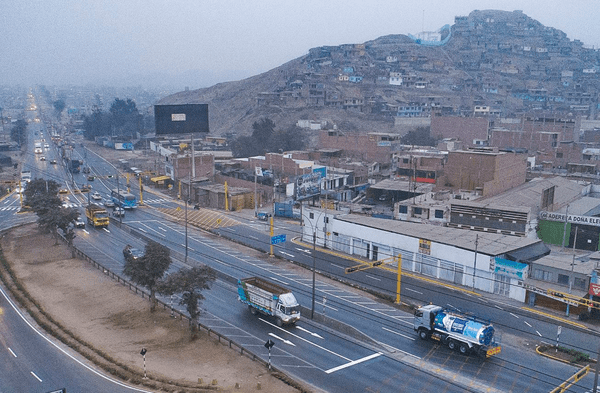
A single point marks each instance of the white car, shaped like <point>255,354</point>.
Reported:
<point>119,212</point>
<point>96,196</point>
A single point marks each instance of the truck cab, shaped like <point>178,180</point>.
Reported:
<point>424,318</point>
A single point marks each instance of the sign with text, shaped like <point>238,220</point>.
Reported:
<point>573,219</point>
<point>278,239</point>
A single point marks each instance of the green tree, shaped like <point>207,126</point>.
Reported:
<point>42,196</point>
<point>61,218</point>
<point>59,107</point>
<point>293,138</point>
<point>190,283</point>
<point>149,269</point>
<point>125,116</point>
<point>18,132</point>
<point>97,124</point>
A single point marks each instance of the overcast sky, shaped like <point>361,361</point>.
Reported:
<point>197,43</point>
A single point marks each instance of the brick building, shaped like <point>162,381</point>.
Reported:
<point>473,131</point>
<point>486,171</point>
<point>373,146</point>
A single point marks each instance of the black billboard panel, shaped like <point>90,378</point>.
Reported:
<point>181,119</point>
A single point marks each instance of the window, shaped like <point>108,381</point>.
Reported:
<point>418,210</point>
<point>403,209</point>
<point>312,215</point>
<point>559,154</point>
<point>439,213</point>
<point>563,279</point>
<point>326,220</point>
<point>579,283</point>
<point>543,275</point>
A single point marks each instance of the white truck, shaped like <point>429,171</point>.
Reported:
<point>268,298</point>
<point>457,331</point>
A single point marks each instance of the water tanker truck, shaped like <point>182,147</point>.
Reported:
<point>456,331</point>
<point>268,298</point>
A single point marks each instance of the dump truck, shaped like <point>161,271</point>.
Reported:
<point>268,298</point>
<point>457,331</point>
<point>97,216</point>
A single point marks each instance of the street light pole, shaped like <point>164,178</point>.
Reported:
<point>312,308</point>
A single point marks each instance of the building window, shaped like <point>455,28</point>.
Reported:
<point>563,279</point>
<point>559,154</point>
<point>326,220</point>
<point>418,211</point>
<point>542,275</point>
<point>439,213</point>
<point>403,209</point>
<point>579,283</point>
<point>312,215</point>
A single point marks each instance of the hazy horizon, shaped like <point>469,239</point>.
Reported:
<point>192,44</point>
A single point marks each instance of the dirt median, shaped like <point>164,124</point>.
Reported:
<point>116,322</point>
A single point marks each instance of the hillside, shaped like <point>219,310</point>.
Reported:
<point>504,61</point>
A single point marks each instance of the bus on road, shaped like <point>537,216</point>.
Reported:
<point>123,199</point>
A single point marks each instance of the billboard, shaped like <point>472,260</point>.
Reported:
<point>308,185</point>
<point>181,119</point>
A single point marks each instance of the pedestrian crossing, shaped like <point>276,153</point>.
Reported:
<point>9,208</point>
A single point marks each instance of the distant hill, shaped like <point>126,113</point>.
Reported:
<point>504,61</point>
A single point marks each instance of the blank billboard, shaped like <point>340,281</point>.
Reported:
<point>181,119</point>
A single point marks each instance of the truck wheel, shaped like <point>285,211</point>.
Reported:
<point>252,310</point>
<point>463,348</point>
<point>423,334</point>
<point>279,322</point>
<point>452,344</point>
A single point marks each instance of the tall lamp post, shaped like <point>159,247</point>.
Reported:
<point>314,260</point>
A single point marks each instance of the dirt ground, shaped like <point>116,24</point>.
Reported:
<point>118,322</point>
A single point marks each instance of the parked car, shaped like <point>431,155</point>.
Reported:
<point>53,162</point>
<point>130,252</point>
<point>91,178</point>
<point>96,196</point>
<point>43,158</point>
<point>263,216</point>
<point>63,191</point>
<point>119,212</point>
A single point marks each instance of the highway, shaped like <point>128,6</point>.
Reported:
<point>380,353</point>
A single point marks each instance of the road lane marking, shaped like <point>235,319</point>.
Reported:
<point>281,281</point>
<point>412,290</point>
<point>352,363</point>
<point>11,351</point>
<point>539,334</point>
<point>372,277</point>
<point>399,334</point>
<point>36,377</point>
<point>303,339</point>
<point>288,342</point>
<point>498,307</point>
<point>516,316</point>
<point>527,323</point>
<point>289,255</point>
<point>309,332</point>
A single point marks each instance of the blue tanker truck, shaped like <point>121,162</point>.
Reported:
<point>456,331</point>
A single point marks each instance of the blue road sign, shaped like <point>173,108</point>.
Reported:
<point>278,239</point>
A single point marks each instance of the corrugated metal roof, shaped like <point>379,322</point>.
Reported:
<point>492,244</point>
<point>530,194</point>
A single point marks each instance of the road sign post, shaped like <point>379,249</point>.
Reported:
<point>143,353</point>
<point>269,344</point>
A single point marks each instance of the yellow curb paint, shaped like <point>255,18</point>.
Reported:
<point>555,318</point>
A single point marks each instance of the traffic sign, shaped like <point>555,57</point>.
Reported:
<point>278,239</point>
